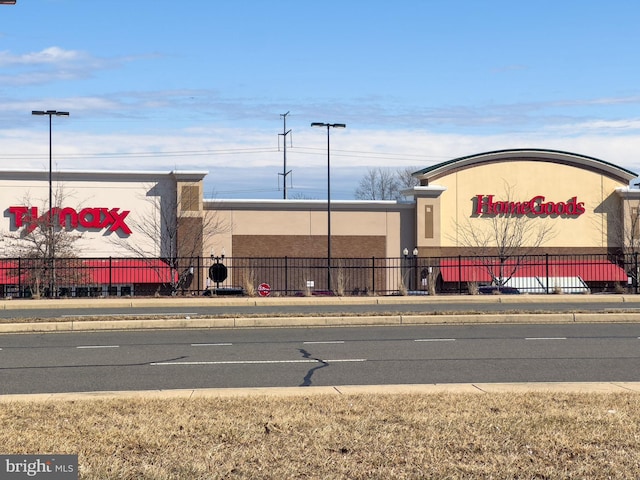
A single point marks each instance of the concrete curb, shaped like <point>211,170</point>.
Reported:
<point>431,389</point>
<point>310,321</point>
<point>135,302</point>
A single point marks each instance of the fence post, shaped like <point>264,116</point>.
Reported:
<point>373,275</point>
<point>546,262</point>
<point>199,270</point>
<point>286,275</point>
<point>110,278</point>
<point>20,292</point>
<point>635,266</point>
<point>460,274</point>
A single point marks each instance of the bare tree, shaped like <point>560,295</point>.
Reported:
<point>624,230</point>
<point>631,243</point>
<point>44,241</point>
<point>385,184</point>
<point>507,236</point>
<point>300,196</point>
<point>405,177</point>
<point>176,228</point>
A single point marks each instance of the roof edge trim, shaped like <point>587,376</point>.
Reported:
<point>573,159</point>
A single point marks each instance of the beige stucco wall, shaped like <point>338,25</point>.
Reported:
<point>522,180</point>
<point>311,223</point>
<point>290,218</point>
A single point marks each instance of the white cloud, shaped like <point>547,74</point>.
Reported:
<point>244,163</point>
<point>53,64</point>
<point>600,126</point>
<point>48,56</point>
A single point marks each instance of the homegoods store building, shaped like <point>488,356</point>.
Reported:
<point>585,207</point>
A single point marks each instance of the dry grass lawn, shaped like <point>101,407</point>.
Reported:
<point>504,436</point>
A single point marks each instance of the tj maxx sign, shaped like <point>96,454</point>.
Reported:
<point>94,218</point>
<point>486,205</point>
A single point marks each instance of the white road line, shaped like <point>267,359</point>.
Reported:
<point>98,346</point>
<point>545,338</point>
<point>346,360</point>
<point>262,362</point>
<point>320,343</point>
<point>211,344</point>
<point>435,340</point>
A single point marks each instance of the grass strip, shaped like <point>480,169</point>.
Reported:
<point>359,436</point>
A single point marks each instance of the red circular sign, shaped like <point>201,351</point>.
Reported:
<point>264,289</point>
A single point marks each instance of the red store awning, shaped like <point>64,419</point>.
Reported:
<point>99,272</point>
<point>8,272</point>
<point>474,270</point>
<point>127,271</point>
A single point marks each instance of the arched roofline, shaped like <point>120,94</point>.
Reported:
<point>585,162</point>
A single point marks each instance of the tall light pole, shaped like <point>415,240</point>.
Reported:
<point>328,126</point>
<point>51,243</point>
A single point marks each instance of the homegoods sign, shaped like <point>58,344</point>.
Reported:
<point>538,205</point>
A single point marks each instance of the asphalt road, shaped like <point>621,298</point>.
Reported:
<point>269,357</point>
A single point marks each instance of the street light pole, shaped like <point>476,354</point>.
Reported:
<point>329,126</point>
<point>51,243</point>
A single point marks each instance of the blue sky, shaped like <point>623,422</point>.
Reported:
<point>202,84</point>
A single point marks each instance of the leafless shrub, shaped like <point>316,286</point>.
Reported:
<point>619,288</point>
<point>473,288</point>
<point>340,280</point>
<point>432,276</point>
<point>402,287</point>
<point>249,282</point>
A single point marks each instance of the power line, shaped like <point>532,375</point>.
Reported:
<point>178,153</point>
<point>228,151</point>
<point>359,153</point>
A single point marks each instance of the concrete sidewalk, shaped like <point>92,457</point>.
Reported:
<point>138,302</point>
<point>462,388</point>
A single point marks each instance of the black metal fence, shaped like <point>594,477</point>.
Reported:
<point>289,276</point>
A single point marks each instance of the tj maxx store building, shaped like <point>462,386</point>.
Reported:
<point>587,204</point>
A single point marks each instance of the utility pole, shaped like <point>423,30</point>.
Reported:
<point>284,173</point>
